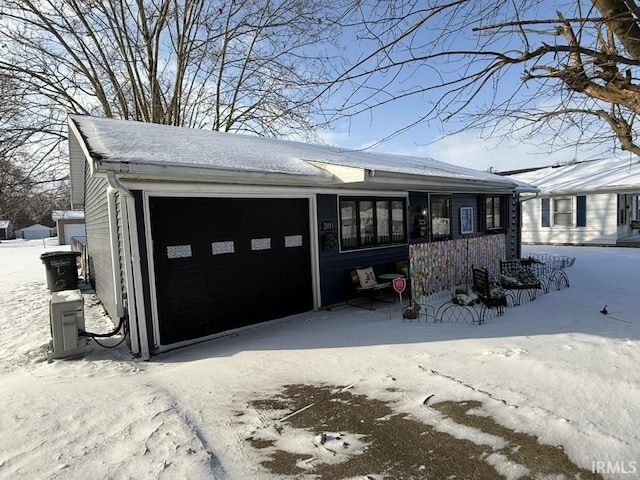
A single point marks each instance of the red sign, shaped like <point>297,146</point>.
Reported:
<point>399,284</point>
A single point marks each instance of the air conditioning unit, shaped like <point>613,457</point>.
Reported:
<point>67,321</point>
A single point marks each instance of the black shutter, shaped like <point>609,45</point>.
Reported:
<point>581,211</point>
<point>545,212</point>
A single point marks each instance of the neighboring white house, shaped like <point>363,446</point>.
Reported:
<point>581,203</point>
<point>69,224</point>
<point>36,231</point>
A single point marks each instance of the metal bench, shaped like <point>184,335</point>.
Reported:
<point>517,277</point>
<point>365,286</point>
<point>490,294</point>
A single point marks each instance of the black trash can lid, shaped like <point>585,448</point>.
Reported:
<point>58,254</point>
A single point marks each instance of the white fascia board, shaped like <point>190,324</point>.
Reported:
<point>442,184</point>
<point>154,172</point>
<point>626,188</point>
<point>342,173</point>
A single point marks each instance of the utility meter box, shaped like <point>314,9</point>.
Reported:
<point>67,320</point>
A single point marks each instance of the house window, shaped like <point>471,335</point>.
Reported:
<point>493,210</point>
<point>371,222</point>
<point>440,217</point>
<point>398,216</point>
<point>348,223</point>
<point>562,212</point>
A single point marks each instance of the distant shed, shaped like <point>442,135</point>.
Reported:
<point>35,232</point>
<point>6,232</point>
<point>69,224</point>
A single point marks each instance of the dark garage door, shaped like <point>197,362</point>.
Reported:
<point>223,263</point>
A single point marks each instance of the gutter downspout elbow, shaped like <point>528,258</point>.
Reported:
<point>532,197</point>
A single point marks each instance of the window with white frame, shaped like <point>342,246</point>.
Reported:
<point>560,211</point>
<point>563,211</point>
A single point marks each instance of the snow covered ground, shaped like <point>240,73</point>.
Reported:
<point>556,368</point>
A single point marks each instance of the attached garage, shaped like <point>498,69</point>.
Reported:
<point>225,263</point>
<point>192,234</point>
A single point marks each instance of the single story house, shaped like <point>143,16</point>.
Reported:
<point>34,232</point>
<point>191,233</point>
<point>581,203</point>
<point>69,224</point>
<point>6,232</point>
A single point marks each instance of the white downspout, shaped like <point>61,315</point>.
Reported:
<point>138,326</point>
<point>113,237</point>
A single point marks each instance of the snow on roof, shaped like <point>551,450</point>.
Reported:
<point>4,223</point>
<point>151,144</point>
<point>36,226</point>
<point>67,215</point>
<point>609,174</point>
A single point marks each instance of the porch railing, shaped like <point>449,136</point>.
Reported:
<point>438,267</point>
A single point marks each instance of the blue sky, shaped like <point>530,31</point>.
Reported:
<point>465,149</point>
<point>501,151</point>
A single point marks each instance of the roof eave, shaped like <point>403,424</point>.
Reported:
<point>437,183</point>
<point>154,172</point>
<point>633,188</point>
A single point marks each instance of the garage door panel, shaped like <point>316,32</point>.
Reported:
<point>226,315</point>
<point>223,283</point>
<point>179,289</point>
<point>262,276</point>
<point>183,325</point>
<point>248,261</point>
<point>178,254</point>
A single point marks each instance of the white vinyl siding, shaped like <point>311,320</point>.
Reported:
<point>600,222</point>
<point>98,242</point>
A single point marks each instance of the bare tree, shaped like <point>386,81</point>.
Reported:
<point>32,180</point>
<point>239,65</point>
<point>565,69</point>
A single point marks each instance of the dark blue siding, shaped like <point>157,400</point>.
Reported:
<point>335,282</point>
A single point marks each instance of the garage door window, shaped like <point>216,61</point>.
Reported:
<point>220,248</point>
<point>260,244</point>
<point>371,222</point>
<point>292,241</point>
<point>179,251</point>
